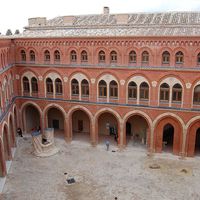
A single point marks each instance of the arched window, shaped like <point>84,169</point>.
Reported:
<point>102,89</point>
<point>177,93</point>
<point>57,56</point>
<point>196,97</point>
<point>58,83</point>
<point>102,57</point>
<point>32,56</point>
<point>84,56</point>
<point>85,88</point>
<point>23,55</point>
<point>179,57</point>
<point>132,90</point>
<point>113,57</point>
<point>198,59</point>
<point>132,57</point>
<point>164,92</point>
<point>47,56</point>
<point>75,87</point>
<point>73,56</point>
<point>49,85</point>
<point>26,86</point>
<point>34,85</point>
<point>144,91</point>
<point>145,57</point>
<point>113,89</point>
<point>165,57</point>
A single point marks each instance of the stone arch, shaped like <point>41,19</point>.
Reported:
<point>117,118</point>
<point>145,117</point>
<point>89,115</point>
<point>178,125</point>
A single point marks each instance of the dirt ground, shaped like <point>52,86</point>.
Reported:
<point>100,174</point>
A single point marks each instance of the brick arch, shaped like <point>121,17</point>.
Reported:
<point>52,72</point>
<point>28,69</point>
<point>141,114</point>
<point>117,117</point>
<point>158,133</point>
<point>88,113</point>
<point>192,127</point>
<point>12,129</point>
<point>23,108</point>
<point>6,145</point>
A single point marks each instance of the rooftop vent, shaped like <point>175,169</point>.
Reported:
<point>106,10</point>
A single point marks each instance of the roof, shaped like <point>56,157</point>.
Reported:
<point>136,24</point>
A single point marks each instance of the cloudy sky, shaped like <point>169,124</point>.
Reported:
<point>14,14</point>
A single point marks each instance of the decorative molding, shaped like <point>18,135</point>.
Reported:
<point>122,82</point>
<point>188,85</point>
<point>93,80</point>
<point>154,83</point>
<point>65,79</point>
<point>40,78</point>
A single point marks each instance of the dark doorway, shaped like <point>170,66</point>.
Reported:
<point>80,125</point>
<point>197,142</point>
<point>55,123</point>
<point>128,129</point>
<point>168,137</point>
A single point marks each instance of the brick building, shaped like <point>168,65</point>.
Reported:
<point>92,76</point>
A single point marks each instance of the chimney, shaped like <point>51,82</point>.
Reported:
<point>106,10</point>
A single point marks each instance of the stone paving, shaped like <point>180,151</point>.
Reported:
<point>100,174</point>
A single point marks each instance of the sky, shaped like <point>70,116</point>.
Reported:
<point>14,14</point>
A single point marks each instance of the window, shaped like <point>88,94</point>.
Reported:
<point>132,57</point>
<point>113,89</point>
<point>177,93</point>
<point>144,91</point>
<point>32,56</point>
<point>26,85</point>
<point>164,92</point>
<point>165,57</point>
<point>75,87</point>
<point>145,57</point>
<point>102,89</point>
<point>179,57</point>
<point>47,56</point>
<point>73,56</point>
<point>132,90</point>
<point>57,56</point>
<point>102,57</point>
<point>196,97</point>
<point>49,85</point>
<point>113,57</point>
<point>85,88</point>
<point>58,84</point>
<point>84,56</point>
<point>34,85</point>
<point>198,59</point>
<point>23,55</point>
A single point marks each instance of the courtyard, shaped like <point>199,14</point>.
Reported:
<point>100,174</point>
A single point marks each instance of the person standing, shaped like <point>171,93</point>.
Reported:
<point>107,145</point>
<point>19,131</point>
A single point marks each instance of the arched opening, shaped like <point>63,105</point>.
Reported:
<point>165,57</point>
<point>55,119</point>
<point>102,57</point>
<point>168,137</point>
<point>164,92</point>
<point>31,118</point>
<point>102,89</point>
<point>197,142</point>
<point>7,152</point>
<point>34,86</point>
<point>73,56</point>
<point>49,86</point>
<point>145,57</point>
<point>2,162</point>
<point>179,57</point>
<point>32,56</point>
<point>15,118</point>
<point>58,86</point>
<point>80,125</point>
<point>56,56</point>
<point>136,131</point>
<point>12,132</point>
<point>26,86</point>
<point>108,128</point>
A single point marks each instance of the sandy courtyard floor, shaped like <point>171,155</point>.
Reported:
<point>100,174</point>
